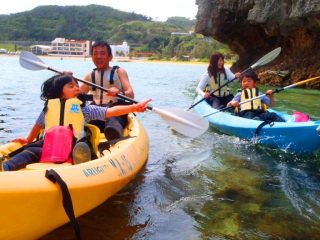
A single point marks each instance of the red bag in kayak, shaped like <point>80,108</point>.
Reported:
<point>58,144</point>
<point>301,117</point>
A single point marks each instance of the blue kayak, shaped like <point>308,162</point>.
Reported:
<point>297,137</point>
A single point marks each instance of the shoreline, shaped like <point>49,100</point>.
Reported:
<point>115,59</point>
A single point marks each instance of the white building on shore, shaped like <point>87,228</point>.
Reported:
<point>66,47</point>
<point>2,50</point>
<point>40,49</point>
<point>120,50</point>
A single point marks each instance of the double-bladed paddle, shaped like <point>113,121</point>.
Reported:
<point>262,61</point>
<point>186,123</point>
<point>262,95</point>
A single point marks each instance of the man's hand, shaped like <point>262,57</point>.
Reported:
<point>113,91</point>
<point>67,73</point>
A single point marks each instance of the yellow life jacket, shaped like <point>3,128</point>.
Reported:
<point>216,83</point>
<point>64,113</point>
<point>252,105</point>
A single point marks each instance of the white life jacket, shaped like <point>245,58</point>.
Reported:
<point>106,79</point>
<point>216,83</point>
<point>65,113</point>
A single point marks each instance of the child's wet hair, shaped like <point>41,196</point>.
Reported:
<point>52,88</point>
<point>250,74</point>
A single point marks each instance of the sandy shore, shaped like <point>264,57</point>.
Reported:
<point>115,59</point>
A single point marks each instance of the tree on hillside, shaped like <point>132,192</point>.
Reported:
<point>182,22</point>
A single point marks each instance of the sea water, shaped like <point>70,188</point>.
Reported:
<point>211,187</point>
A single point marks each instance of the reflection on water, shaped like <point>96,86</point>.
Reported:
<point>211,187</point>
<point>111,220</point>
<point>251,199</point>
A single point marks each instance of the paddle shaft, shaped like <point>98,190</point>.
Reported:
<point>214,91</point>
<point>281,89</point>
<point>262,61</point>
<point>101,88</point>
<point>262,95</point>
<point>186,123</point>
<point>211,93</point>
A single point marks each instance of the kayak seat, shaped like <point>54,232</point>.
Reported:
<point>10,147</point>
<point>93,133</point>
<point>105,145</point>
<point>128,128</point>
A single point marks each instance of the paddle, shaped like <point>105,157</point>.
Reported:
<point>262,61</point>
<point>186,123</point>
<point>262,95</point>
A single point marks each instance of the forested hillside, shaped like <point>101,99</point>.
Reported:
<point>95,22</point>
<point>91,22</point>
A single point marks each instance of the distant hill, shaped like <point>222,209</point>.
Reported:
<point>182,22</point>
<point>141,31</point>
<point>93,22</point>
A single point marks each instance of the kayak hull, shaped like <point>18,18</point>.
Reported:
<point>297,137</point>
<point>31,205</point>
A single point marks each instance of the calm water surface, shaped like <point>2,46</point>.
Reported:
<point>211,187</point>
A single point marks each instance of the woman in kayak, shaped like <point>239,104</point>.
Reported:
<point>63,107</point>
<point>212,80</point>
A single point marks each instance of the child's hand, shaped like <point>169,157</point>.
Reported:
<point>233,104</point>
<point>142,106</point>
<point>269,92</point>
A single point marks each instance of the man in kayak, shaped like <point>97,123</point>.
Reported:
<point>255,109</point>
<point>116,80</point>
<point>64,108</point>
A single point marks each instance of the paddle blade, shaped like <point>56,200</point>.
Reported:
<point>30,61</point>
<point>267,58</point>
<point>186,123</point>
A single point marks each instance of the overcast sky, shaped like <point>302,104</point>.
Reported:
<point>156,9</point>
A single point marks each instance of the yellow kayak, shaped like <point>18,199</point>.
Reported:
<point>31,205</point>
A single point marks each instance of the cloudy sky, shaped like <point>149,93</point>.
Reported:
<point>158,10</point>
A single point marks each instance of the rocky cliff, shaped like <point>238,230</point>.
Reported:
<point>252,28</point>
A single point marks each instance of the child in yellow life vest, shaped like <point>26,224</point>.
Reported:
<point>60,93</point>
<point>256,109</point>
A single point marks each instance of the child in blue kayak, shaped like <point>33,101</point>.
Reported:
<point>63,107</point>
<point>255,109</point>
